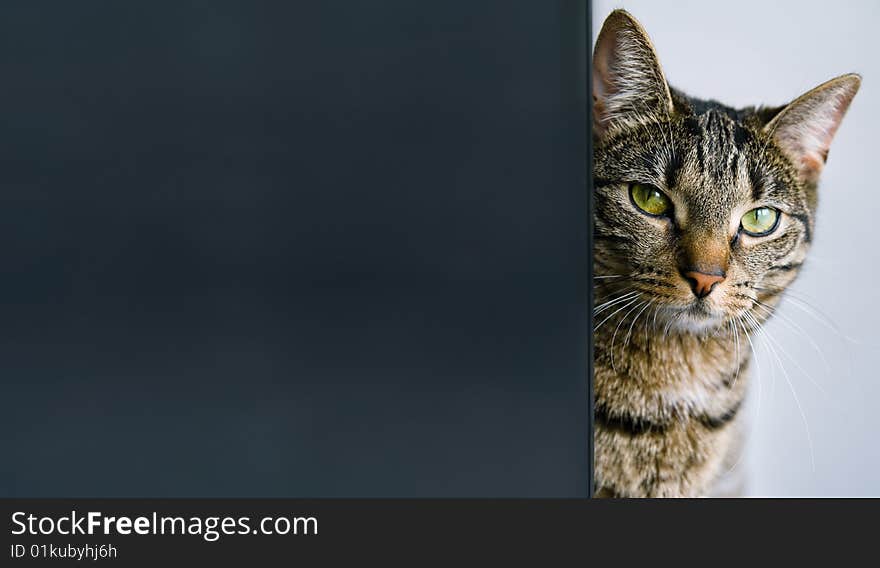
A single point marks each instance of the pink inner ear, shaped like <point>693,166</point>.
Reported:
<point>808,137</point>
<point>804,130</point>
<point>628,82</point>
<point>603,79</point>
<point>812,165</point>
<point>815,142</point>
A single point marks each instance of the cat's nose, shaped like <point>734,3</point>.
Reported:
<point>702,283</point>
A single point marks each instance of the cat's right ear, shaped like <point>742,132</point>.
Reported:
<point>804,128</point>
<point>628,82</point>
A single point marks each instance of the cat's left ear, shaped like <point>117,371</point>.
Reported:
<point>628,82</point>
<point>805,127</point>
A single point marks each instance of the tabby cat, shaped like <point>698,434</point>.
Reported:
<point>703,216</point>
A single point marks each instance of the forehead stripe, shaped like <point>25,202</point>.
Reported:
<point>757,182</point>
<point>673,166</point>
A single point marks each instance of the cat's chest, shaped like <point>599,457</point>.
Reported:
<point>670,379</point>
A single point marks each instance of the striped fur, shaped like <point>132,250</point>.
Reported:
<point>671,369</point>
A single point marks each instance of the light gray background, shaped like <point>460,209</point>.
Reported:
<point>759,52</point>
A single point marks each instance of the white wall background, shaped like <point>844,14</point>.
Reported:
<point>825,439</point>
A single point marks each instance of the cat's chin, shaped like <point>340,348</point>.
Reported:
<point>697,319</point>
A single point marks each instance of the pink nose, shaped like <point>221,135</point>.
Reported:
<point>702,283</point>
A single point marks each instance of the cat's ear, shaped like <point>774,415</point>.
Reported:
<point>628,82</point>
<point>804,128</point>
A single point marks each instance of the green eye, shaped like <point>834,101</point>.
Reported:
<point>760,221</point>
<point>649,199</point>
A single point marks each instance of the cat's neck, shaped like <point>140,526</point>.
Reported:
<point>657,371</point>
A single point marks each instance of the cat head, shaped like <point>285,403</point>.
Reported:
<point>703,211</point>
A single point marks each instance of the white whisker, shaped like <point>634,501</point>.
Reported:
<point>793,360</point>
<point>635,319</point>
<point>610,303</point>
<point>595,329</point>
<point>616,329</point>
<point>793,391</point>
